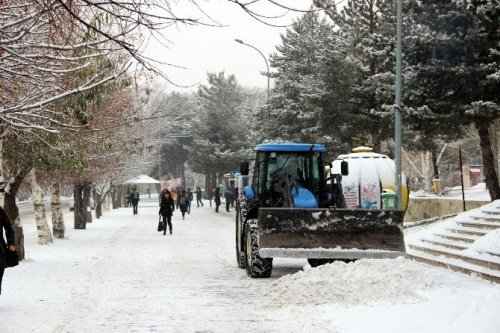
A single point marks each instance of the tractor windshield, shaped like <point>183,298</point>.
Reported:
<point>301,169</point>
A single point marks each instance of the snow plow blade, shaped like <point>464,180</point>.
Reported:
<point>330,233</point>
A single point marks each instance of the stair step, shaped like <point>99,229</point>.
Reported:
<point>469,231</point>
<point>493,253</point>
<point>492,212</point>
<point>457,238</point>
<point>479,225</point>
<point>455,255</point>
<point>450,244</point>
<point>484,274</point>
<point>493,219</point>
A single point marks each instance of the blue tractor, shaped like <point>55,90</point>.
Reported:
<point>291,209</point>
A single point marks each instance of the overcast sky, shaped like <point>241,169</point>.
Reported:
<point>202,49</point>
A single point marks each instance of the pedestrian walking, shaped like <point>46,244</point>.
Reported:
<point>198,197</point>
<point>228,195</point>
<point>183,202</point>
<point>5,246</point>
<point>217,199</point>
<point>167,208</point>
<point>174,196</point>
<point>134,199</point>
<point>190,200</point>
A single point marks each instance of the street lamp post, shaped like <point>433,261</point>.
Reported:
<point>267,65</point>
<point>397,115</point>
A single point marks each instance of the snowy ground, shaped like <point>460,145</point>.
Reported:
<point>121,275</point>
<point>477,192</point>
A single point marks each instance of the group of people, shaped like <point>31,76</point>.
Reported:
<point>168,203</point>
<point>169,200</point>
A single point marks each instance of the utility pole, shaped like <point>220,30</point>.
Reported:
<point>397,115</point>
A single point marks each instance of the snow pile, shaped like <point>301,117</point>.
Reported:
<point>395,281</point>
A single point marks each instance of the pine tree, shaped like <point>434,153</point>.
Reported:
<point>311,80</point>
<point>220,127</point>
<point>369,27</point>
<point>454,76</point>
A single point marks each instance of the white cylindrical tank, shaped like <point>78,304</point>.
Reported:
<point>370,174</point>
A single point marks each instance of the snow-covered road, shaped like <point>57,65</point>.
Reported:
<point>121,275</point>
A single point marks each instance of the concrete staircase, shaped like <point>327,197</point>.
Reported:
<point>452,245</point>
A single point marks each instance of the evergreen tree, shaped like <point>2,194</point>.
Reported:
<point>300,83</point>
<point>369,27</point>
<point>337,79</point>
<point>219,127</point>
<point>454,76</point>
<point>311,94</point>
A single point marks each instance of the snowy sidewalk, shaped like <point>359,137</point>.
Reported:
<point>121,275</point>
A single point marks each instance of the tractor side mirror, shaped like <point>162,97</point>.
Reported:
<point>344,168</point>
<point>244,168</point>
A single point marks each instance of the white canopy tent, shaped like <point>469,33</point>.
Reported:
<point>142,179</point>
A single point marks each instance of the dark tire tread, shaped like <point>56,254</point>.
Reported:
<point>256,266</point>
<point>241,210</point>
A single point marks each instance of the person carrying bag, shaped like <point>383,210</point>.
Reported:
<point>167,207</point>
<point>8,254</point>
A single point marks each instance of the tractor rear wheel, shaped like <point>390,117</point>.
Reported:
<point>256,266</point>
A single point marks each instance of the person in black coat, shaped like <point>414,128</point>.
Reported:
<point>167,207</point>
<point>198,197</point>
<point>134,199</point>
<point>8,245</point>
<point>190,199</point>
<point>228,195</point>
<point>217,199</point>
<point>183,202</point>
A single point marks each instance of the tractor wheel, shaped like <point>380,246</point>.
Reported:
<point>256,266</point>
<point>240,254</point>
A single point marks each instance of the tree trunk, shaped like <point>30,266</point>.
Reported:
<point>12,211</point>
<point>58,227</point>
<point>215,181</point>
<point>87,189</point>
<point>208,185</point>
<point>116,194</point>
<point>375,140</point>
<point>2,190</point>
<point>79,210</point>
<point>106,198</point>
<point>44,234</point>
<point>426,172</point>
<point>495,144</point>
<point>435,166</point>
<point>98,203</point>
<point>488,161</point>
<point>183,175</point>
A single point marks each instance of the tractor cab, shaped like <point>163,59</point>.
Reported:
<point>290,175</point>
